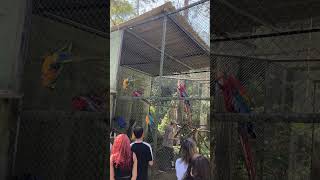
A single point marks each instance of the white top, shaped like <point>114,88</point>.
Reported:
<point>181,169</point>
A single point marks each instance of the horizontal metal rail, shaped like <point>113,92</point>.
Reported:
<point>154,98</point>
<point>259,36</point>
<point>75,24</point>
<point>268,117</point>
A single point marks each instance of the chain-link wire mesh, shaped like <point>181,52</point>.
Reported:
<point>275,58</point>
<point>69,25</point>
<point>86,13</point>
<point>62,145</point>
<point>162,49</point>
<point>55,139</point>
<point>163,110</point>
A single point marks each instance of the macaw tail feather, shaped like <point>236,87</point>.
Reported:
<point>247,155</point>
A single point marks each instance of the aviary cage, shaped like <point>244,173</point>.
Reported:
<point>55,139</point>
<point>158,51</point>
<point>278,66</point>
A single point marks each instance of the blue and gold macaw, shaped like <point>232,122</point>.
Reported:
<point>53,65</point>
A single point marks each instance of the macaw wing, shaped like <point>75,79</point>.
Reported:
<point>49,74</point>
<point>229,101</point>
<point>241,105</point>
<point>125,83</point>
<point>241,89</point>
<point>151,119</point>
<point>64,57</point>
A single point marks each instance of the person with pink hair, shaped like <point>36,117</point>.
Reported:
<point>123,162</point>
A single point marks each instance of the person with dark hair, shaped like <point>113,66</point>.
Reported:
<point>168,141</point>
<point>144,154</point>
<point>123,162</point>
<point>188,151</point>
<point>199,169</point>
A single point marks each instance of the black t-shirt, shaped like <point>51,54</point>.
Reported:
<point>144,154</point>
<point>122,173</point>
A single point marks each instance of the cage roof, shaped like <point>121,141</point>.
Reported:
<point>237,17</point>
<point>81,13</point>
<point>185,50</point>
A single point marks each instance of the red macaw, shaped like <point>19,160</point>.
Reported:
<point>237,101</point>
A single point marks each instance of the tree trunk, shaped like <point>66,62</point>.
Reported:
<point>315,170</point>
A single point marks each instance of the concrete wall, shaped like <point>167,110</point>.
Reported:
<point>4,138</point>
<point>8,122</point>
<point>11,26</point>
<point>12,14</point>
<point>115,53</point>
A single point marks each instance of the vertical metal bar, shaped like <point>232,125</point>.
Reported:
<point>313,105</point>
<point>163,45</point>
<point>315,83</point>
<point>115,96</point>
<point>267,103</point>
<point>312,135</point>
<point>283,91</point>
<point>267,106</point>
<point>16,140</point>
<point>164,31</point>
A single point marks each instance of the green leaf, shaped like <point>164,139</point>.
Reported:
<point>120,11</point>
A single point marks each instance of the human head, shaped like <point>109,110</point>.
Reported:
<point>121,151</point>
<point>188,150</point>
<point>138,132</point>
<point>200,168</point>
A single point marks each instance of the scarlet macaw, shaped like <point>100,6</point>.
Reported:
<point>183,94</point>
<point>237,101</point>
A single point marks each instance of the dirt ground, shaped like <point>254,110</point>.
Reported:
<point>165,176</point>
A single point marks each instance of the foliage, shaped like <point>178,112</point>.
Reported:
<point>164,122</point>
<point>120,11</point>
<point>123,10</point>
<point>200,109</point>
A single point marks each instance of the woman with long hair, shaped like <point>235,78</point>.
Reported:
<point>187,151</point>
<point>199,169</point>
<point>123,162</point>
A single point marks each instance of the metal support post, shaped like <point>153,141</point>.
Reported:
<point>164,30</point>
<point>163,46</point>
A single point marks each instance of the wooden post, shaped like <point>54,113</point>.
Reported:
<point>262,124</point>
<point>283,92</point>
<point>293,139</point>
<point>315,158</point>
